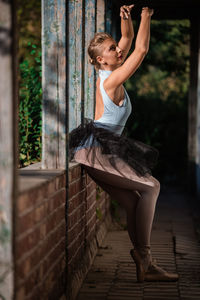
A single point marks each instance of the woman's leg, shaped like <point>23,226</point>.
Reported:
<point>127,199</point>
<point>145,208</point>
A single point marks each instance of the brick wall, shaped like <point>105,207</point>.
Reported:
<point>57,231</point>
<point>87,223</point>
<point>40,241</point>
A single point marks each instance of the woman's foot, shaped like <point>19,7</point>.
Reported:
<point>156,273</point>
<point>142,260</point>
<point>147,269</point>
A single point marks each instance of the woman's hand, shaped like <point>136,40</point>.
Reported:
<point>125,11</point>
<point>147,11</point>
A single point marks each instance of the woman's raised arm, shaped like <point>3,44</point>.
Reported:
<point>125,71</point>
<point>127,30</point>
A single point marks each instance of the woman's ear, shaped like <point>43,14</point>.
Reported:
<point>100,60</point>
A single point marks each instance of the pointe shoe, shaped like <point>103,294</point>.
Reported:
<point>151,272</point>
<point>156,273</point>
<point>140,267</point>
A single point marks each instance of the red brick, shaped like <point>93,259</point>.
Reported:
<point>60,214</point>
<point>31,281</point>
<point>40,213</point>
<point>41,251</point>
<point>56,252</point>
<point>34,196</point>
<point>51,222</point>
<point>90,225</point>
<point>91,188</point>
<point>75,216</point>
<point>26,243</point>
<point>73,190</point>
<point>90,212</point>
<point>80,199</point>
<point>56,200</point>
<point>60,181</point>
<point>81,237</point>
<point>90,201</point>
<point>71,203</point>
<point>71,220</point>
<point>76,201</point>
<point>20,293</point>
<point>74,173</point>
<point>51,241</point>
<point>91,234</point>
<point>53,276</point>
<point>71,235</point>
<point>23,203</point>
<point>25,222</point>
<point>88,178</point>
<point>72,249</point>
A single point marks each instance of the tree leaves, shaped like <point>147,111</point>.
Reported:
<point>30,107</point>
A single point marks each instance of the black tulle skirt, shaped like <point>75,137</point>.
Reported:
<point>112,143</point>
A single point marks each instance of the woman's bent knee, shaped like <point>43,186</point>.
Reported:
<point>156,185</point>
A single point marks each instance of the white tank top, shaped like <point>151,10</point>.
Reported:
<point>113,113</point>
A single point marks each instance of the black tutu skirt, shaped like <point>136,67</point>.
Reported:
<point>113,143</point>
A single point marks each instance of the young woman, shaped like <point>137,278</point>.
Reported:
<point>120,165</point>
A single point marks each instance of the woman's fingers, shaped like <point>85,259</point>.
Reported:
<point>149,10</point>
<point>125,10</point>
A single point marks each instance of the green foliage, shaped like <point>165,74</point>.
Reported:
<point>159,93</point>
<point>30,108</point>
<point>29,26</point>
<point>98,213</point>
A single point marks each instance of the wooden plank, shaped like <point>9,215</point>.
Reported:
<point>8,146</point>
<point>89,72</point>
<point>192,106</point>
<point>198,116</point>
<point>100,18</point>
<point>75,60</point>
<point>54,119</point>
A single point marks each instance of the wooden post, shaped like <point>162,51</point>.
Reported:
<point>75,62</point>
<point>54,112</point>
<point>8,145</point>
<point>192,108</point>
<point>198,115</point>
<point>100,18</point>
<point>89,76</point>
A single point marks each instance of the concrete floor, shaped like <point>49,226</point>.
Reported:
<point>175,246</point>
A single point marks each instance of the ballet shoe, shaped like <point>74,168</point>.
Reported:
<point>156,273</point>
<point>141,268</point>
<point>151,271</point>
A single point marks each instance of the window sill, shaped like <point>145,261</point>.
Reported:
<point>33,176</point>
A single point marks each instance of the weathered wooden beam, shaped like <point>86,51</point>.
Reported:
<point>89,77</point>
<point>54,113</point>
<point>198,116</point>
<point>100,16</point>
<point>8,145</point>
<point>192,106</point>
<point>75,62</point>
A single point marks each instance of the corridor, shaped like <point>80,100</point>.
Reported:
<point>175,247</point>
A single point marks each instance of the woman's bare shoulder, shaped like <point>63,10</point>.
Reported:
<point>126,70</point>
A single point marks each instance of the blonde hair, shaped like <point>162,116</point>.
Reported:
<point>94,48</point>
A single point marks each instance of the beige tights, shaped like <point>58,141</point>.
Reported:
<point>138,197</point>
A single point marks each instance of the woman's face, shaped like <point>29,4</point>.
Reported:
<point>111,54</point>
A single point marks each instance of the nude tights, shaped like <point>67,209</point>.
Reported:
<point>138,199</point>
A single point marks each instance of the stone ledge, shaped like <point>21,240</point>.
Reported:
<point>33,176</point>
